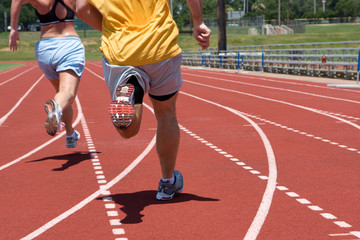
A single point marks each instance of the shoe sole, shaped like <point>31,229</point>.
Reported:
<point>121,111</point>
<point>166,197</point>
<point>51,122</point>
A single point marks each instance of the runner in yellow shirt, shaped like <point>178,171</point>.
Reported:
<point>142,55</point>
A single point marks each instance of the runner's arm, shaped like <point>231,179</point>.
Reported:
<point>89,14</point>
<point>201,31</point>
<point>14,19</point>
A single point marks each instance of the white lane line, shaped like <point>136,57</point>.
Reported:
<point>109,204</point>
<point>293,195</point>
<point>305,134</point>
<point>9,80</point>
<point>286,81</point>
<point>265,204</point>
<point>97,75</point>
<point>342,224</point>
<point>282,102</point>
<point>328,216</point>
<point>77,120</point>
<point>102,191</point>
<point>356,233</point>
<point>3,119</point>
<point>280,89</point>
<point>310,135</point>
<point>303,201</point>
<point>314,208</point>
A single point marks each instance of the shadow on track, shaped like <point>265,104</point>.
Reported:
<point>134,203</point>
<point>72,159</point>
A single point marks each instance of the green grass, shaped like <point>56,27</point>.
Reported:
<point>313,34</point>
<point>4,66</point>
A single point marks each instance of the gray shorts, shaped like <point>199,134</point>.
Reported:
<point>60,54</point>
<point>158,79</point>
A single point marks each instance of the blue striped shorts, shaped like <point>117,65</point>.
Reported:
<point>60,54</point>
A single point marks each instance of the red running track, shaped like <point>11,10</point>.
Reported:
<point>262,158</point>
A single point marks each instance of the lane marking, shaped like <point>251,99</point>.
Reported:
<point>339,234</point>
<point>101,191</point>
<point>328,216</point>
<point>109,204</point>
<point>314,208</point>
<point>9,80</point>
<point>270,80</point>
<point>77,120</point>
<point>3,119</point>
<point>356,233</point>
<point>279,101</point>
<point>351,149</point>
<point>265,204</point>
<point>342,224</point>
<point>293,195</point>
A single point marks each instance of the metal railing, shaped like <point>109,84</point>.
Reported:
<point>331,59</point>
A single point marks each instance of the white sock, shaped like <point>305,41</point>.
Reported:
<point>170,180</point>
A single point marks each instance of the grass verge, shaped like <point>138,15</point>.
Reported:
<point>313,34</point>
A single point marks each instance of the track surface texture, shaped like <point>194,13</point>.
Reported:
<point>263,157</point>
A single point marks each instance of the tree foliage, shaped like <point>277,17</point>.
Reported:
<point>269,8</point>
<point>27,15</point>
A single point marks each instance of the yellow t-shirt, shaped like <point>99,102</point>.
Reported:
<point>137,32</point>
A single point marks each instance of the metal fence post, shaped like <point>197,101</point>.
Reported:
<point>357,79</point>
<point>238,60</point>
<point>242,61</point>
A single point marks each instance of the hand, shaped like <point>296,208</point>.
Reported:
<point>13,38</point>
<point>202,35</point>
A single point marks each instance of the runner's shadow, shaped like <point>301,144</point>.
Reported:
<point>72,159</point>
<point>134,203</point>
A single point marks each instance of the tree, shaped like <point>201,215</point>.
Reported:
<point>27,16</point>
<point>347,8</point>
<point>221,19</point>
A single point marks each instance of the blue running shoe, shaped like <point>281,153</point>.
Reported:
<point>166,190</point>
<point>71,141</point>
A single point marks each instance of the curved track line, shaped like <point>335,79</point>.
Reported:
<point>268,79</point>
<point>3,119</point>
<point>104,188</point>
<point>271,183</point>
<point>282,89</point>
<point>77,120</point>
<point>279,101</point>
<point>97,75</point>
<point>16,76</point>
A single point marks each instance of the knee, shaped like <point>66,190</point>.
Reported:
<point>72,97</point>
<point>167,118</point>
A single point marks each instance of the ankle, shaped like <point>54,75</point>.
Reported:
<point>138,90</point>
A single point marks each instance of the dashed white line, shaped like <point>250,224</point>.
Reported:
<point>342,224</point>
<point>294,195</point>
